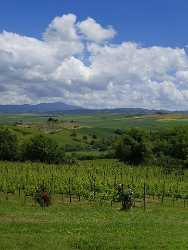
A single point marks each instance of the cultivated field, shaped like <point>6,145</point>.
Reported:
<point>93,180</point>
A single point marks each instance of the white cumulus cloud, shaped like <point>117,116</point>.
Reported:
<point>75,62</point>
<point>94,31</point>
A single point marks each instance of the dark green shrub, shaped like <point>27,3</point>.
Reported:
<point>85,137</point>
<point>94,136</point>
<point>8,145</point>
<point>134,147</point>
<point>118,131</point>
<point>73,134</point>
<point>43,149</point>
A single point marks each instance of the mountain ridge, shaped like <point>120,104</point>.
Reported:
<point>66,108</point>
<point>38,108</point>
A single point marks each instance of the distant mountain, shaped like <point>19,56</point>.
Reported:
<point>38,108</point>
<point>58,107</point>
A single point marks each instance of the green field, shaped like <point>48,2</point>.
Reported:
<point>101,120</point>
<point>89,226</point>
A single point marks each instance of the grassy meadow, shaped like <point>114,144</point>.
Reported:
<point>89,226</point>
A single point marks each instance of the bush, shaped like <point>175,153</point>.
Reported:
<point>84,137</point>
<point>166,147</point>
<point>94,136</point>
<point>43,149</point>
<point>118,131</point>
<point>73,134</point>
<point>171,144</point>
<point>8,145</point>
<point>73,147</point>
<point>134,147</point>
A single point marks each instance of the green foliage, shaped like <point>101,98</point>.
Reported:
<point>164,146</point>
<point>118,131</point>
<point>43,149</point>
<point>94,136</point>
<point>51,119</point>
<point>8,145</point>
<point>88,155</point>
<point>73,148</point>
<point>85,138</point>
<point>91,179</point>
<point>74,134</point>
<point>134,147</point>
<point>171,145</point>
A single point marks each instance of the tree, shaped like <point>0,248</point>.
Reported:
<point>94,136</point>
<point>118,131</point>
<point>44,149</point>
<point>84,137</point>
<point>170,146</point>
<point>178,144</point>
<point>8,145</point>
<point>134,147</point>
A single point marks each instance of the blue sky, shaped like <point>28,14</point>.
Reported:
<point>95,54</point>
<point>149,22</point>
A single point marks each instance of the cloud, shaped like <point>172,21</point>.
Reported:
<point>75,63</point>
<point>93,31</point>
<point>79,72</point>
<point>61,35</point>
<point>62,29</point>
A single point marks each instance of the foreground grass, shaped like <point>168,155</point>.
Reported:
<point>88,226</point>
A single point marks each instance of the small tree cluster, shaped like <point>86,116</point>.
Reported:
<point>43,149</point>
<point>39,148</point>
<point>8,145</point>
<point>161,146</point>
<point>134,147</point>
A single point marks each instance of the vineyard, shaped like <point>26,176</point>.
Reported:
<point>94,181</point>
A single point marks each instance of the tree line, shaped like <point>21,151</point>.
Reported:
<point>163,146</point>
<point>39,148</point>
